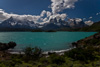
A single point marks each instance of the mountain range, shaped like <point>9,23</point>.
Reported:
<point>53,24</point>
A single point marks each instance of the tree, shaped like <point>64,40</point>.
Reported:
<point>32,53</point>
<point>28,51</point>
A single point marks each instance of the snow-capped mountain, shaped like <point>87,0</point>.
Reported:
<point>51,25</point>
<point>76,23</point>
<point>56,24</point>
<point>16,23</point>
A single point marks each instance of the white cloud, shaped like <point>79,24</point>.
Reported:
<point>89,22</point>
<point>90,17</point>
<point>56,6</point>
<point>78,20</point>
<point>60,5</point>
<point>1,10</point>
<point>4,15</point>
<point>84,18</point>
<point>43,13</point>
<point>58,16</point>
<point>98,13</point>
<point>44,16</point>
<point>49,14</point>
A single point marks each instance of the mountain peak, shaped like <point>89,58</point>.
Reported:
<point>11,18</point>
<point>53,20</point>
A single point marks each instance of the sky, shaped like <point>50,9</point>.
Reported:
<point>44,10</point>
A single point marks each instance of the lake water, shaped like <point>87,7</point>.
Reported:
<point>45,40</point>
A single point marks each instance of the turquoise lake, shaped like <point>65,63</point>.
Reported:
<point>45,40</point>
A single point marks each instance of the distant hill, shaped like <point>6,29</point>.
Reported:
<point>94,27</point>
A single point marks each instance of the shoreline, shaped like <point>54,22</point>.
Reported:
<point>60,52</point>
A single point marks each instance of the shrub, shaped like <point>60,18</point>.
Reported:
<point>56,59</point>
<point>81,54</point>
<point>32,53</point>
<point>11,44</point>
<point>6,46</point>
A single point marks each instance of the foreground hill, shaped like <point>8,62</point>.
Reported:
<point>94,27</point>
<point>93,40</point>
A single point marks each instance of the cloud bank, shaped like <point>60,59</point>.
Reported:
<point>56,7</point>
<point>4,15</point>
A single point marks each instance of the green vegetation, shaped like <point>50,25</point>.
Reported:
<point>94,27</point>
<point>74,58</point>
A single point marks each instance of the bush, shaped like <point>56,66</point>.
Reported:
<point>11,44</point>
<point>56,59</point>
<point>28,51</point>
<point>32,53</point>
<point>82,54</point>
<point>6,46</point>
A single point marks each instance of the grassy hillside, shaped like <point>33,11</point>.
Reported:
<point>94,27</point>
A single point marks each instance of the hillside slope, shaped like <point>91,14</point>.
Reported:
<point>94,27</point>
<point>93,40</point>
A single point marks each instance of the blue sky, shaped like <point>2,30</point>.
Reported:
<point>82,9</point>
<point>25,6</point>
